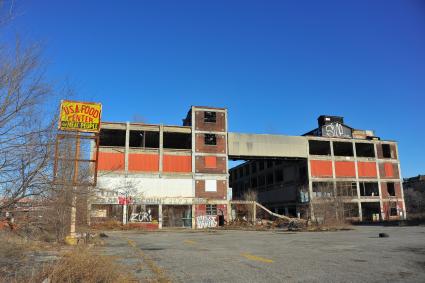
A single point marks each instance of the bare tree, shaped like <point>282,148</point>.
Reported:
<point>26,134</point>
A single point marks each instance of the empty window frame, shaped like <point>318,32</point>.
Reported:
<point>391,189</point>
<point>112,137</point>
<point>369,189</point>
<point>144,139</point>
<point>269,163</point>
<point>351,210</point>
<point>365,149</point>
<point>323,189</point>
<point>278,175</point>
<point>386,150</point>
<point>246,170</point>
<point>346,189</point>
<point>211,209</point>
<point>254,167</point>
<point>261,165</point>
<point>177,140</point>
<point>393,209</point>
<point>343,149</point>
<point>253,182</point>
<point>270,179</point>
<point>261,180</point>
<point>319,147</point>
<point>210,139</point>
<point>210,117</point>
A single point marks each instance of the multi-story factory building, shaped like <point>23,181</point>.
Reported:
<point>178,176</point>
<point>345,168</point>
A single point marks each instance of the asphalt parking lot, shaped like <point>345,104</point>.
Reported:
<point>357,255</point>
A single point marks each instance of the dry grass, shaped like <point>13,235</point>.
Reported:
<point>83,265</point>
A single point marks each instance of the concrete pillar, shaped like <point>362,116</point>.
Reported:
<point>161,148</point>
<point>357,182</point>
<point>193,216</point>
<point>381,207</point>
<point>160,216</point>
<point>124,214</point>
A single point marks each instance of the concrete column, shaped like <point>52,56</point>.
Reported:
<point>160,216</point>
<point>124,214</point>
<point>401,184</point>
<point>357,182</point>
<point>127,147</point>
<point>193,216</point>
<point>161,148</point>
<point>310,185</point>
<point>381,207</point>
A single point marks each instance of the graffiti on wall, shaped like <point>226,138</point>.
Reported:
<point>206,221</point>
<point>336,130</point>
<point>143,216</point>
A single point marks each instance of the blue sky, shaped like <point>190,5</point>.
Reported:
<point>276,65</point>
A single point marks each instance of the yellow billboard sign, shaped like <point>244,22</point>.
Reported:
<point>80,116</point>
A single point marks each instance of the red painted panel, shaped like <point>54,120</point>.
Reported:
<point>389,172</point>
<point>367,169</point>
<point>143,162</point>
<point>111,161</point>
<point>321,168</point>
<point>177,163</point>
<point>210,162</point>
<point>345,169</point>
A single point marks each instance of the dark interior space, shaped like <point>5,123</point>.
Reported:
<point>112,137</point>
<point>177,140</point>
<point>319,147</point>
<point>210,117</point>
<point>144,139</point>
<point>369,189</point>
<point>343,149</point>
<point>371,211</point>
<point>386,150</point>
<point>365,150</point>
<point>391,189</point>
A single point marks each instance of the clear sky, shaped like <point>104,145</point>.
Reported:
<point>276,65</point>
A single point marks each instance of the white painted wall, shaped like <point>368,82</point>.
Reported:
<point>148,187</point>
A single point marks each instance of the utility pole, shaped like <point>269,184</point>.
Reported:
<point>71,238</point>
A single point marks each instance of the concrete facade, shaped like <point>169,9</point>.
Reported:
<point>178,176</point>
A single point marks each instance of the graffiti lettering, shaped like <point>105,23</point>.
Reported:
<point>336,130</point>
<point>206,221</point>
<point>141,217</point>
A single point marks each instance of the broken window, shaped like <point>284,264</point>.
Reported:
<point>346,189</point>
<point>112,137</point>
<point>210,139</point>
<point>391,189</point>
<point>269,163</point>
<point>319,147</point>
<point>211,209</point>
<point>177,140</point>
<point>279,175</point>
<point>210,117</point>
<point>246,170</point>
<point>323,189</point>
<point>144,139</point>
<point>386,150</point>
<point>270,179</point>
<point>369,189</point>
<point>365,150</point>
<point>343,149</point>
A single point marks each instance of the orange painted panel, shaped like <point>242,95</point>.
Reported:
<point>389,171</point>
<point>110,161</point>
<point>367,169</point>
<point>210,162</point>
<point>143,162</point>
<point>177,163</point>
<point>345,169</point>
<point>321,168</point>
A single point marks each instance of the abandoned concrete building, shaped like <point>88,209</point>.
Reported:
<point>178,176</point>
